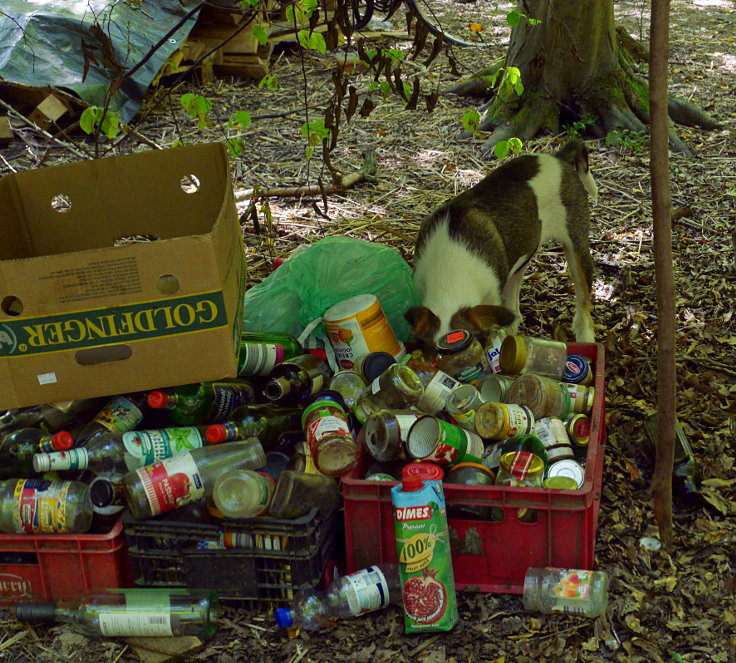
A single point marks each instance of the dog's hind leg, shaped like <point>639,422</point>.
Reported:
<point>580,266</point>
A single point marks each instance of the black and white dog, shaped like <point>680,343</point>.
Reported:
<point>472,251</point>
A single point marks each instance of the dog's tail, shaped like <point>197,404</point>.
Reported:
<point>575,153</point>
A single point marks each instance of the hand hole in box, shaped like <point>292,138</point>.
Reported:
<point>189,184</point>
<point>110,353</point>
<point>11,305</point>
<point>167,284</point>
<point>61,203</point>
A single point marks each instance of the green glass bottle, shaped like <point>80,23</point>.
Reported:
<point>202,402</point>
<point>260,352</point>
<point>269,423</point>
<point>18,447</point>
<point>132,612</point>
<point>294,381</point>
<point>49,417</point>
<point>119,414</point>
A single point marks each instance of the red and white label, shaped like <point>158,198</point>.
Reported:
<point>404,513</point>
<point>171,483</point>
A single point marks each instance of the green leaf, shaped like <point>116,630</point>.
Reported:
<point>513,74</point>
<point>88,119</point>
<point>385,89</point>
<point>242,118</point>
<point>244,4</point>
<point>290,13</point>
<point>235,146</point>
<point>515,144</point>
<point>513,18</point>
<point>310,151</point>
<point>471,120</point>
<point>110,124</point>
<point>519,87</point>
<point>260,32</point>
<point>533,21</point>
<point>269,81</point>
<point>308,6</point>
<point>317,42</point>
<point>178,143</point>
<point>406,91</point>
<point>501,149</point>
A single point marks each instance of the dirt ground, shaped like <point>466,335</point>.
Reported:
<point>662,607</point>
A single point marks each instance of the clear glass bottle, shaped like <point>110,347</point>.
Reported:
<point>294,381</point>
<point>570,591</point>
<point>398,387</point>
<point>541,356</point>
<point>186,477</point>
<point>352,595</point>
<point>261,352</point>
<point>131,612</point>
<point>297,493</point>
<point>462,404</point>
<point>202,402</point>
<point>544,396</point>
<point>243,493</point>
<point>461,356</point>
<point>40,506</point>
<point>18,447</point>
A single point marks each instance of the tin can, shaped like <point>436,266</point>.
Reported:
<point>425,470</point>
<point>581,398</point>
<point>440,442</point>
<point>494,421</point>
<point>578,430</point>
<point>520,468</point>
<point>577,370</point>
<point>554,436</point>
<point>567,468</point>
<point>386,433</point>
<point>494,388</point>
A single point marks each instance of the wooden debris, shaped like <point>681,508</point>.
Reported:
<point>158,650</point>
<point>49,110</point>
<point>6,131</point>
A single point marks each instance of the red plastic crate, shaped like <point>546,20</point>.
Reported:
<point>56,567</point>
<point>490,555</point>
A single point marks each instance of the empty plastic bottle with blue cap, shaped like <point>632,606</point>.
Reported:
<point>347,596</point>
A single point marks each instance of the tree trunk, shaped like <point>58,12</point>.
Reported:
<point>572,68</point>
<point>661,212</point>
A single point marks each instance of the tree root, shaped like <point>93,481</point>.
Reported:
<point>689,115</point>
<point>479,84</point>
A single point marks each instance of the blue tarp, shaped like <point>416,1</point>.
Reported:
<point>43,44</point>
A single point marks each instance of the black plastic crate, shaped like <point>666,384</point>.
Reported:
<point>274,559</point>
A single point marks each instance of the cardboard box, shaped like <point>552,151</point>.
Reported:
<point>85,309</point>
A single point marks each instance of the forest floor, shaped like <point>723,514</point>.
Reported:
<point>662,607</point>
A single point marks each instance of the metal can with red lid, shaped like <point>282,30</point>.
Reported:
<point>578,430</point>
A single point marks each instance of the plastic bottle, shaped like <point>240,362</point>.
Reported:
<point>119,453</point>
<point>261,352</point>
<point>396,388</point>
<point>202,403</point>
<point>571,591</point>
<point>18,447</point>
<point>40,506</point>
<point>347,596</point>
<point>294,381</point>
<point>49,417</point>
<point>541,356</point>
<point>119,415</point>
<point>170,483</point>
<point>132,612</point>
<point>297,493</point>
<point>268,422</point>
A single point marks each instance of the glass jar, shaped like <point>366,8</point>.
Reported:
<point>577,370</point>
<point>520,468</point>
<point>529,443</point>
<point>578,431</point>
<point>544,396</point>
<point>554,437</point>
<point>386,432</point>
<point>349,385</point>
<point>581,398</point>
<point>541,356</point>
<point>326,427</point>
<point>570,591</point>
<point>494,421</point>
<point>495,387</point>
<point>461,356</point>
<point>470,474</point>
<point>462,404</point>
<point>437,384</point>
<point>371,364</point>
<point>398,387</point>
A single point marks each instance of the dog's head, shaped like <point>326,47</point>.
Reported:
<point>482,321</point>
<point>575,153</point>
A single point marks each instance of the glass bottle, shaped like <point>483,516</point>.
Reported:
<point>268,422</point>
<point>461,355</point>
<point>40,506</point>
<point>186,477</point>
<point>297,493</point>
<point>570,591</point>
<point>462,404</point>
<point>108,502</point>
<point>132,612</point>
<point>118,415</point>
<point>243,493</point>
<point>18,447</point>
<point>261,352</point>
<point>202,403</point>
<point>541,356</point>
<point>348,596</point>
<point>385,433</point>
<point>49,417</point>
<point>292,382</point>
<point>119,453</point>
<point>544,396</point>
<point>396,388</point>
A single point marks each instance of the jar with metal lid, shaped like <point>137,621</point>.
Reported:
<point>560,483</point>
<point>470,474</point>
<point>386,432</point>
<point>461,356</point>
<point>529,443</point>
<point>462,404</point>
<point>438,441</point>
<point>520,468</point>
<point>541,356</point>
<point>326,427</point>
<point>567,468</point>
<point>544,396</point>
<point>494,421</point>
<point>578,431</point>
<point>371,364</point>
<point>554,437</point>
<point>398,387</point>
<point>581,398</point>
<point>577,370</point>
<point>495,387</point>
<point>349,385</point>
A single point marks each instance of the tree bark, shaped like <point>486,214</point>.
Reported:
<point>661,212</point>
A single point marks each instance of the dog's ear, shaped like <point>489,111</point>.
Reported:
<point>482,320</point>
<point>424,325</point>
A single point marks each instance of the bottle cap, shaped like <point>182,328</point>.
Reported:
<point>454,341</point>
<point>425,470</point>
<point>157,399</point>
<point>102,492</point>
<point>216,433</point>
<point>577,369</point>
<point>62,441</point>
<point>284,617</point>
<point>317,352</point>
<point>34,612</point>
<point>41,462</point>
<point>376,363</point>
<point>411,483</point>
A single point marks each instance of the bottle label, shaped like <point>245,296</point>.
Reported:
<point>436,392</point>
<point>520,420</point>
<point>228,397</point>
<point>572,588</point>
<point>370,591</point>
<point>405,422</point>
<point>471,374</point>
<point>72,459</point>
<point>493,350</point>
<point>171,483</point>
<point>321,427</point>
<point>260,358</point>
<point>148,446</point>
<point>41,506</point>
<point>119,415</point>
<point>137,623</point>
